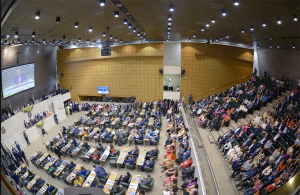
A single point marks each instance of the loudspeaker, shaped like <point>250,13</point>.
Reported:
<point>183,71</point>
<point>62,74</point>
<point>160,71</point>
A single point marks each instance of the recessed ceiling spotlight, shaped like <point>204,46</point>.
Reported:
<point>21,43</point>
<point>87,40</point>
<point>169,27</point>
<point>76,24</point>
<point>79,39</point>
<point>227,36</point>
<point>126,42</point>
<point>202,28</point>
<point>6,42</point>
<point>144,38</point>
<point>147,40</point>
<point>295,17</point>
<point>235,2</point>
<point>264,23</point>
<point>169,18</point>
<point>213,20</point>
<point>18,40</point>
<point>294,47</point>
<point>12,43</point>
<point>116,14</point>
<point>134,29</point>
<point>129,25</point>
<point>194,35</point>
<point>16,34</point>
<point>251,28</point>
<point>33,34</point>
<point>7,36</point>
<point>141,36</point>
<point>189,39</point>
<point>138,34</point>
<point>251,46</point>
<point>257,46</point>
<point>207,24</point>
<point>167,39</point>
<point>278,46</point>
<point>168,32</point>
<point>37,15</point>
<point>90,29</point>
<point>217,39</point>
<point>102,2</point>
<point>94,41</point>
<point>171,8</point>
<point>221,38</point>
<point>58,20</point>
<point>120,40</point>
<point>271,46</point>
<point>103,34</point>
<point>125,21</point>
<point>145,33</point>
<point>24,42</point>
<point>169,23</point>
<point>223,13</point>
<point>278,21</point>
<point>90,43</point>
<point>111,37</point>
<point>116,39</point>
<point>83,43</point>
<point>243,31</point>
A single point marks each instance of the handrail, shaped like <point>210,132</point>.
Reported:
<point>224,85</point>
<point>202,185</point>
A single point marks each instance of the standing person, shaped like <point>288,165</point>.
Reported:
<point>190,98</point>
<point>44,131</point>
<point>26,138</point>
<point>70,108</point>
<point>18,146</point>
<point>22,153</point>
<point>140,104</point>
<point>4,150</point>
<point>163,109</point>
<point>292,82</point>
<point>154,104</point>
<point>67,110</point>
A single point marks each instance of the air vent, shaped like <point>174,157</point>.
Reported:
<point>119,26</point>
<point>14,28</point>
<point>97,12</point>
<point>119,5</point>
<point>216,6</point>
<point>127,13</point>
<point>193,31</point>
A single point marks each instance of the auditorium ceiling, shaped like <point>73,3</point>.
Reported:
<point>150,18</point>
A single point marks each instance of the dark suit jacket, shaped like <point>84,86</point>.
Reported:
<point>153,152</point>
<point>125,179</point>
<point>16,79</point>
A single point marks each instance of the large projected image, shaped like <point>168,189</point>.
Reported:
<point>102,90</point>
<point>17,79</point>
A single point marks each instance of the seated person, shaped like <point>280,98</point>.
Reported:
<point>64,175</point>
<point>146,181</point>
<point>50,188</point>
<point>83,172</point>
<point>138,137</point>
<point>154,138</point>
<point>86,145</point>
<point>71,165</point>
<point>130,161</point>
<point>106,136</point>
<point>112,150</point>
<point>152,152</point>
<point>134,152</point>
<point>148,164</point>
<point>95,156</point>
<point>74,142</point>
<point>187,163</point>
<point>117,189</point>
<point>124,178</point>
<point>78,181</point>
<point>40,182</point>
<point>33,190</point>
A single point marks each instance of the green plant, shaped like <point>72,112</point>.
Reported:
<point>40,123</point>
<point>27,108</point>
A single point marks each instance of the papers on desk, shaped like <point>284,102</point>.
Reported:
<point>142,156</point>
<point>110,182</point>
<point>91,178</point>
<point>60,192</point>
<point>93,172</point>
<point>133,185</point>
<point>123,155</point>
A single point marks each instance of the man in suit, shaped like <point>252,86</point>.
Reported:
<point>188,172</point>
<point>140,104</point>
<point>148,164</point>
<point>20,78</point>
<point>123,178</point>
<point>157,113</point>
<point>240,136</point>
<point>130,161</point>
<point>248,141</point>
<point>139,137</point>
<point>146,182</point>
<point>150,104</point>
<point>223,138</point>
<point>106,136</point>
<point>251,147</point>
<point>213,123</point>
<point>119,137</point>
<point>117,189</point>
<point>134,152</point>
<point>142,130</point>
<point>26,138</point>
<point>155,138</point>
<point>152,152</point>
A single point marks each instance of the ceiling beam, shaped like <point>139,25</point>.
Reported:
<point>9,6</point>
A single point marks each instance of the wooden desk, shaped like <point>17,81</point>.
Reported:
<point>151,122</point>
<point>89,180</point>
<point>85,120</point>
<point>133,185</point>
<point>90,152</point>
<point>115,121</point>
<point>72,175</point>
<point>146,140</point>
<point>61,167</point>
<point>60,192</point>
<point>20,169</point>
<point>25,175</point>
<point>138,121</point>
<point>133,133</point>
<point>105,155</point>
<point>38,162</point>
<point>33,181</point>
<point>53,139</point>
<point>142,113</point>
<point>104,121</point>
<point>141,158</point>
<point>35,154</point>
<point>110,182</point>
<point>153,112</point>
<point>125,123</point>
<point>122,157</point>
<point>91,135</point>
<point>101,136</point>
<point>49,164</point>
<point>66,148</point>
<point>77,150</point>
<point>44,189</point>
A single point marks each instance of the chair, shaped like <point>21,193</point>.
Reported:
<point>97,139</point>
<point>131,166</point>
<point>285,146</point>
<point>264,191</point>
<point>51,171</point>
<point>104,178</point>
<point>113,161</point>
<point>140,141</point>
<point>126,185</point>
<point>147,188</point>
<point>271,149</point>
<point>111,139</point>
<point>155,157</point>
<point>148,169</point>
<point>96,161</point>
<point>86,138</point>
<point>54,191</point>
<point>117,153</point>
<point>121,193</point>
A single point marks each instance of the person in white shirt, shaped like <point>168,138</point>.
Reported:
<point>154,105</point>
<point>145,105</point>
<point>177,88</point>
<point>166,191</point>
<point>170,85</point>
<point>257,118</point>
<point>226,147</point>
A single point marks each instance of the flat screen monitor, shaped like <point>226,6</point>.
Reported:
<point>17,79</point>
<point>102,90</point>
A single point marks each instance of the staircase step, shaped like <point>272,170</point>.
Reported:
<point>211,139</point>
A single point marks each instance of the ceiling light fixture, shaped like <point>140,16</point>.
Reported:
<point>94,41</point>
<point>167,39</point>
<point>169,18</point>
<point>102,2</point>
<point>138,34</point>
<point>171,8</point>
<point>103,34</point>
<point>257,46</point>
<point>129,25</point>
<point>168,32</point>
<point>217,39</point>
<point>202,28</point>
<point>125,21</point>
<point>18,40</point>
<point>90,29</point>
<point>213,20</point>
<point>16,34</point>
<point>37,15</point>
<point>76,24</point>
<point>251,46</point>
<point>87,40</point>
<point>295,17</point>
<point>169,27</point>
<point>251,28</point>
<point>243,31</point>
<point>227,36</point>
<point>169,23</point>
<point>278,46</point>
<point>134,29</point>
<point>189,39</point>
<point>235,2</point>
<point>271,46</point>
<point>147,40</point>
<point>207,24</point>
<point>294,47</point>
<point>12,43</point>
<point>7,36</point>
<point>33,34</point>
<point>111,37</point>
<point>223,13</point>
<point>264,23</point>
<point>21,43</point>
<point>194,35</point>
<point>116,39</point>
<point>120,40</point>
<point>126,42</point>
<point>6,42</point>
<point>58,20</point>
<point>144,38</point>
<point>78,39</point>
<point>25,42</point>
<point>221,38</point>
<point>278,21</point>
<point>141,36</point>
<point>116,14</point>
